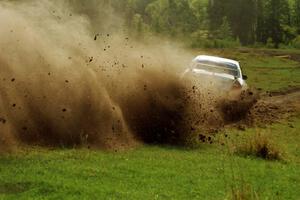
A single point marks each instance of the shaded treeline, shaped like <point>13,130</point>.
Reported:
<point>199,23</point>
<point>213,22</point>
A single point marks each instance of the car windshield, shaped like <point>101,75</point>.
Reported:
<point>217,67</point>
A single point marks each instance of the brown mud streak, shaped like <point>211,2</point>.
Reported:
<point>276,107</point>
<point>270,109</point>
<point>157,114</point>
<point>233,111</point>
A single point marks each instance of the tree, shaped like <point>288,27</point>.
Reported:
<point>247,21</point>
<point>243,19</point>
<point>225,30</point>
<point>216,12</point>
<point>297,15</point>
<point>277,15</point>
<point>138,26</point>
<point>241,15</point>
<point>261,31</point>
<point>173,17</point>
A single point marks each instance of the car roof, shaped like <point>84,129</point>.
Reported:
<point>216,59</point>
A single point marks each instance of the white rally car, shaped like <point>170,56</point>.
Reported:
<point>224,74</point>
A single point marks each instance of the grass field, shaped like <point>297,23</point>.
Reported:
<point>211,171</point>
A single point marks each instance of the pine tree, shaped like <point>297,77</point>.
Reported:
<point>225,30</point>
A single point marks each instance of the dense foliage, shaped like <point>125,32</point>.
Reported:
<point>215,23</point>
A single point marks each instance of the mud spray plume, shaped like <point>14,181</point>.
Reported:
<point>62,87</point>
<point>67,82</point>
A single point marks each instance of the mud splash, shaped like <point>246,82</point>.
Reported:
<point>62,84</point>
<point>260,108</point>
<point>236,110</point>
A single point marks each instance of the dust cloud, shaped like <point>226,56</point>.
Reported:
<point>71,76</point>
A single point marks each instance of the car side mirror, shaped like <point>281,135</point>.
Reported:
<point>245,77</point>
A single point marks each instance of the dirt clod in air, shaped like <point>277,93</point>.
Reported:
<point>2,120</point>
<point>238,109</point>
<point>96,36</point>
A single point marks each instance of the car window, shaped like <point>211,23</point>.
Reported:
<point>217,67</point>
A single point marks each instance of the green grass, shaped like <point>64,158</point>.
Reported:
<point>153,172</point>
<point>271,73</point>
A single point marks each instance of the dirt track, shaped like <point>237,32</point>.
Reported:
<point>273,107</point>
<point>275,53</point>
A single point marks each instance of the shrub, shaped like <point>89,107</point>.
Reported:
<point>260,145</point>
<point>270,43</point>
<point>200,39</point>
<point>243,192</point>
<point>296,42</point>
<point>226,43</point>
<point>214,43</point>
